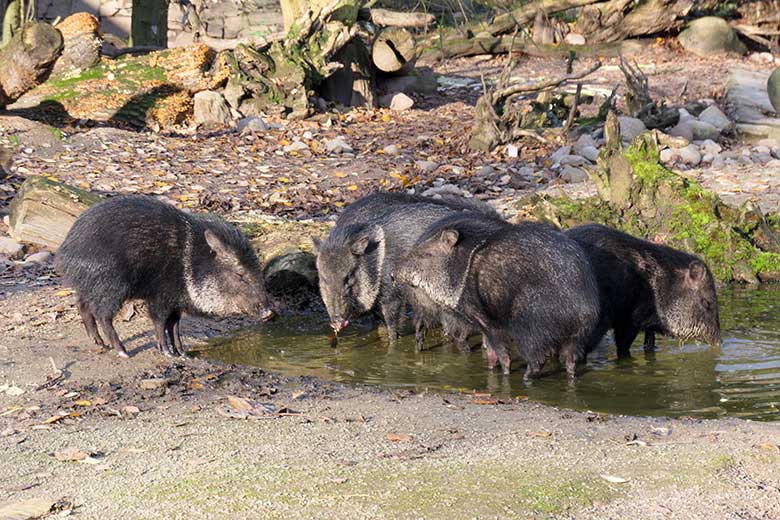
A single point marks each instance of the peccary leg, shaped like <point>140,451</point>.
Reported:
<point>107,325</point>
<point>163,344</point>
<point>90,324</point>
<point>392,312</point>
<point>497,351</point>
<point>649,340</point>
<point>624,337</point>
<point>419,334</point>
<point>568,356</point>
<point>172,329</point>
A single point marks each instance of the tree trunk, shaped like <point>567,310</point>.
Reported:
<point>27,60</point>
<point>12,20</point>
<point>387,18</point>
<point>149,25</point>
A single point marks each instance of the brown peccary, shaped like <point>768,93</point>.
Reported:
<point>137,247</point>
<point>355,261</point>
<point>526,284</point>
<point>648,287</point>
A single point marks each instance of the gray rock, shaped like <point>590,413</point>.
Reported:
<point>233,93</point>
<point>773,89</point>
<point>684,114</point>
<point>718,163</point>
<point>668,155</point>
<point>391,149</point>
<point>709,146</point>
<point>761,158</point>
<point>584,141</point>
<point>690,155</point>
<point>572,174</point>
<point>445,189</point>
<point>630,127</point>
<point>338,145</point>
<point>11,248</point>
<point>41,258</point>
<point>707,158</point>
<point>252,124</point>
<point>574,160</point>
<point>486,171</point>
<point>296,146</point>
<point>682,129</point>
<point>426,166</point>
<point>400,102</point>
<point>591,153</point>
<point>701,130</point>
<point>211,109</point>
<point>763,149</point>
<point>715,116</point>
<point>560,153</point>
<point>710,35</point>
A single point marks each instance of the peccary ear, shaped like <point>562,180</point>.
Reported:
<point>316,243</point>
<point>216,244</point>
<point>695,274</point>
<point>360,245</point>
<point>449,237</point>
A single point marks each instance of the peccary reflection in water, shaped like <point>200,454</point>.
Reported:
<point>528,285</point>
<point>649,287</point>
<point>137,247</point>
<point>356,260</point>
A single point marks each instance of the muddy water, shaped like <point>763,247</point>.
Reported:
<point>741,378</point>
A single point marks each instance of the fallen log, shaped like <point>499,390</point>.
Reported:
<point>27,60</point>
<point>620,19</point>
<point>388,18</point>
<point>43,211</point>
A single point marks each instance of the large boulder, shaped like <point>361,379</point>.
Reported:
<point>773,89</point>
<point>711,35</point>
<point>211,109</point>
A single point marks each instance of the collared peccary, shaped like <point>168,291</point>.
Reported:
<point>356,259</point>
<point>526,284</point>
<point>649,287</point>
<point>137,247</point>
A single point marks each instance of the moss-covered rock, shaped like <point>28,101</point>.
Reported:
<point>638,195</point>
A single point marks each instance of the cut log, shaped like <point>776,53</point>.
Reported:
<point>618,19</point>
<point>44,210</point>
<point>394,50</point>
<point>82,42</point>
<point>27,60</point>
<point>388,18</point>
<point>507,22</point>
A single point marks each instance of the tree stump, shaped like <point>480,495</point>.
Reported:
<point>27,60</point>
<point>43,211</point>
<point>82,42</point>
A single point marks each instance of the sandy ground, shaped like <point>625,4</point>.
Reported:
<point>359,452</point>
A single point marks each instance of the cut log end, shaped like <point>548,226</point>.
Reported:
<point>394,50</point>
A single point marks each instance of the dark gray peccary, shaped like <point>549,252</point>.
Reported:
<point>649,287</point>
<point>356,259</point>
<point>137,247</point>
<point>526,284</point>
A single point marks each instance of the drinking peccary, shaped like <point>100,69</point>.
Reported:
<point>649,287</point>
<point>139,248</point>
<point>526,284</point>
<point>356,259</point>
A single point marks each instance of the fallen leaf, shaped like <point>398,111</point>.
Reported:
<point>399,437</point>
<point>615,480</point>
<point>53,419</point>
<point>83,402</point>
<point>131,410</point>
<point>71,455</point>
<point>769,447</point>
<point>26,509</point>
<point>64,292</point>
<point>239,403</point>
<point>542,434</point>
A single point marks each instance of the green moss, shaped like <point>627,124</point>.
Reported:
<point>65,81</point>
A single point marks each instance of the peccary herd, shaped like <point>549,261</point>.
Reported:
<point>451,262</point>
